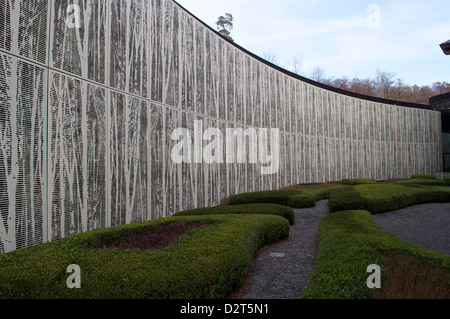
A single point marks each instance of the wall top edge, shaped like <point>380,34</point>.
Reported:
<point>306,80</point>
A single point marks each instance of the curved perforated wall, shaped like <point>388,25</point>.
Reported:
<point>90,94</point>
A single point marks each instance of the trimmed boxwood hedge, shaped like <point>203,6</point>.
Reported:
<point>357,181</point>
<point>422,181</point>
<point>275,209</point>
<point>349,242</point>
<point>297,198</point>
<point>380,198</point>
<point>360,194</point>
<point>302,200</point>
<point>267,197</point>
<point>346,198</point>
<point>207,262</point>
<point>393,196</point>
<point>423,176</point>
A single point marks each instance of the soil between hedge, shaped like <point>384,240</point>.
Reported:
<point>160,238</point>
<point>412,278</point>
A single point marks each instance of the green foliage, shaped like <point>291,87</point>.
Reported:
<point>302,200</point>
<point>269,197</point>
<point>212,261</point>
<point>380,198</point>
<point>422,181</point>
<point>423,176</point>
<point>321,193</point>
<point>357,181</point>
<point>348,243</point>
<point>388,197</point>
<point>224,24</point>
<point>275,209</point>
<point>345,198</point>
<point>207,262</point>
<point>363,195</point>
<point>297,198</point>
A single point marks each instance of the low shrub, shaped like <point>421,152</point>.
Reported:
<point>321,193</point>
<point>349,241</point>
<point>302,200</point>
<point>295,198</point>
<point>423,176</point>
<point>420,181</point>
<point>380,198</point>
<point>345,198</point>
<point>357,181</point>
<point>388,197</point>
<point>206,262</point>
<point>269,197</point>
<point>275,209</point>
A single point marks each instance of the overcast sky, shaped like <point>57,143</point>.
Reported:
<point>344,38</point>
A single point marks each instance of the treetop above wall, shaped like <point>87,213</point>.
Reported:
<point>304,79</point>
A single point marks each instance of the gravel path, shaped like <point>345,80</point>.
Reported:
<point>426,225</point>
<point>287,277</point>
<point>283,270</point>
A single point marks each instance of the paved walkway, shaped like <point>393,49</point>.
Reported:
<point>283,271</point>
<point>426,225</point>
<point>287,277</point>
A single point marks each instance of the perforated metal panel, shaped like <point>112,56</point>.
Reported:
<point>86,116</point>
<point>22,153</point>
<point>77,156</point>
<point>80,51</point>
<point>23,28</point>
<point>128,156</point>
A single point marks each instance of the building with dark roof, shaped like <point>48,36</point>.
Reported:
<point>442,103</point>
<point>446,47</point>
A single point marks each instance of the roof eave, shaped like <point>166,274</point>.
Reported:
<point>446,47</point>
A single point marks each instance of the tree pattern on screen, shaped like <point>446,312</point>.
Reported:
<point>86,116</point>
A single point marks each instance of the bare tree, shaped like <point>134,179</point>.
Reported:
<point>384,82</point>
<point>318,75</point>
<point>270,57</point>
<point>441,87</point>
<point>296,64</point>
<point>399,89</point>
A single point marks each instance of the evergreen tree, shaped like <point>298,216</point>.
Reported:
<point>224,24</point>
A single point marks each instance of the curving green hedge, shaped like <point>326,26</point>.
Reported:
<point>346,198</point>
<point>298,198</point>
<point>302,200</point>
<point>393,196</point>
<point>356,194</point>
<point>357,181</point>
<point>423,176</point>
<point>275,209</point>
<point>380,198</point>
<point>350,241</point>
<point>421,181</point>
<point>207,262</point>
<point>267,197</point>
